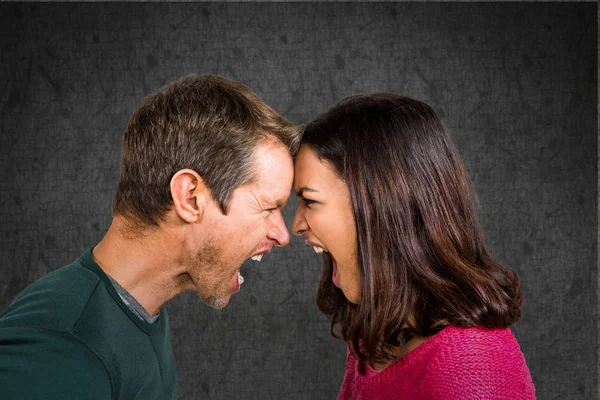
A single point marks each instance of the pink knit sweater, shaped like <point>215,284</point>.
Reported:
<point>457,363</point>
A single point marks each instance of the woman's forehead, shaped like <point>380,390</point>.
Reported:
<point>313,174</point>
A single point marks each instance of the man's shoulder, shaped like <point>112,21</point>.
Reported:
<point>74,312</point>
<point>55,301</point>
<point>47,363</point>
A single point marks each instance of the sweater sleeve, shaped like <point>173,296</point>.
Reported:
<point>45,364</point>
<point>488,367</point>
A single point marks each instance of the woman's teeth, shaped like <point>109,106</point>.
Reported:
<point>257,258</point>
<point>319,250</point>
<point>240,279</point>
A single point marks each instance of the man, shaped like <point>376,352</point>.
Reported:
<point>206,169</point>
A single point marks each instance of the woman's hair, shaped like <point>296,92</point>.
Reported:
<point>421,252</point>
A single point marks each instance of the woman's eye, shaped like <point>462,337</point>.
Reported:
<point>306,201</point>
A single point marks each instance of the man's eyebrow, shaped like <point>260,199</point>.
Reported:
<point>300,192</point>
<point>274,202</point>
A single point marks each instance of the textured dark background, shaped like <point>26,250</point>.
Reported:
<point>516,85</point>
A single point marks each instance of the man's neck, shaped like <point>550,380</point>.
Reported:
<point>145,264</point>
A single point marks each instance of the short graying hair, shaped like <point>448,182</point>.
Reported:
<point>203,122</point>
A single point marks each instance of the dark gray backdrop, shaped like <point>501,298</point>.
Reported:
<point>516,85</point>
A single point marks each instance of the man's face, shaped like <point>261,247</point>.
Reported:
<point>253,225</point>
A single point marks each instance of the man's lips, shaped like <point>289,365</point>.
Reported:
<point>237,277</point>
<point>236,281</point>
<point>262,251</point>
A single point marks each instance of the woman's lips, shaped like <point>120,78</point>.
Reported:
<point>334,274</point>
<point>316,247</point>
<point>320,249</point>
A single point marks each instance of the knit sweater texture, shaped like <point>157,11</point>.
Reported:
<point>456,363</point>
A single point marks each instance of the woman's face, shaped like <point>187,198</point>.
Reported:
<point>324,217</point>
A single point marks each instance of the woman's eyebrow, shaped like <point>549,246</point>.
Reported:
<point>300,192</point>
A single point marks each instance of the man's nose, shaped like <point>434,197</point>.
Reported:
<point>279,233</point>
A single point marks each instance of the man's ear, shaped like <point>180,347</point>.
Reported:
<point>190,194</point>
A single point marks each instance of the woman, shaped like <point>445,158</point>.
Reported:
<point>407,277</point>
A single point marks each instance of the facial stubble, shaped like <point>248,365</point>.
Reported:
<point>212,277</point>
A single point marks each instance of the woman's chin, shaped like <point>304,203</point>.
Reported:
<point>351,299</point>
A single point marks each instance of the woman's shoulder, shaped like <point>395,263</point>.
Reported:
<point>476,345</point>
<point>473,341</point>
<point>462,337</point>
<point>486,361</point>
<point>452,343</point>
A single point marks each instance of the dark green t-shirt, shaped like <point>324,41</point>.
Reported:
<point>70,336</point>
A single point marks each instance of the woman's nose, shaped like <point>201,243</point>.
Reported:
<point>299,225</point>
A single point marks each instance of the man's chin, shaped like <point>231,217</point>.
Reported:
<point>216,302</point>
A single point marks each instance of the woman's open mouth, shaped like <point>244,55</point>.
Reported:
<point>334,273</point>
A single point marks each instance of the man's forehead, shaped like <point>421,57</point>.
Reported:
<point>275,174</point>
<point>275,197</point>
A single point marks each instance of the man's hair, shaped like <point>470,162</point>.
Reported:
<point>207,123</point>
<point>422,257</point>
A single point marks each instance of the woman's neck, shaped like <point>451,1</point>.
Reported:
<point>399,352</point>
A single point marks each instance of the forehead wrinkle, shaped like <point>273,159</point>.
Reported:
<point>275,196</point>
<point>254,199</point>
<point>268,200</point>
<point>274,201</point>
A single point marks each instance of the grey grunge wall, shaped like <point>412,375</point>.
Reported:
<point>515,84</point>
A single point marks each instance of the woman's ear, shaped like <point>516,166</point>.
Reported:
<point>189,194</point>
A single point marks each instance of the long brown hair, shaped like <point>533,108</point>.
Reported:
<point>422,256</point>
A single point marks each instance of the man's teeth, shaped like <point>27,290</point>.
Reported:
<point>240,278</point>
<point>257,258</point>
